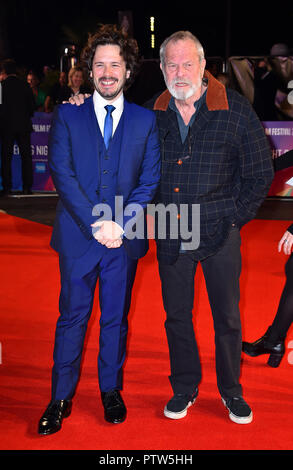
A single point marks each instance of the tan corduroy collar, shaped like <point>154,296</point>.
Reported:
<point>216,99</point>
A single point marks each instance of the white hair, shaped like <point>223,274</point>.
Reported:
<point>181,36</point>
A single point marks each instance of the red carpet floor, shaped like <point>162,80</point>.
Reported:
<point>29,309</point>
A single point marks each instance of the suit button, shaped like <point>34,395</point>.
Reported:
<point>176,190</point>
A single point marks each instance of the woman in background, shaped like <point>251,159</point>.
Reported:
<point>75,84</point>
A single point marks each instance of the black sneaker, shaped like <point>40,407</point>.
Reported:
<point>239,411</point>
<point>176,408</point>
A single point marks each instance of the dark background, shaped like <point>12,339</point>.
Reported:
<point>33,32</point>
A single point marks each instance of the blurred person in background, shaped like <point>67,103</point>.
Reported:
<point>39,94</point>
<point>270,83</point>
<point>16,111</point>
<point>56,93</point>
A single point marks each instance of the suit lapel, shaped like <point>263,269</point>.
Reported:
<point>92,125</point>
<point>125,156</point>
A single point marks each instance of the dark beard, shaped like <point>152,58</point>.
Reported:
<point>109,96</point>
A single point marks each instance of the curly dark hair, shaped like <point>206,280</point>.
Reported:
<point>110,34</point>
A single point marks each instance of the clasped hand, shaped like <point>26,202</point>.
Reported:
<point>109,233</point>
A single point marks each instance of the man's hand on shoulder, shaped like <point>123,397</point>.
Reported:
<point>77,99</point>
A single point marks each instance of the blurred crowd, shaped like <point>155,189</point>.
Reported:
<point>22,93</point>
<point>265,81</point>
<point>51,87</point>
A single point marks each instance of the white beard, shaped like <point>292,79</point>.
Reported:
<point>182,94</point>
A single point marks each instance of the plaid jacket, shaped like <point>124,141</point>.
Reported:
<point>225,166</point>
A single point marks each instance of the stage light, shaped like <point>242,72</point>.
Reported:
<point>152,29</point>
<point>152,23</point>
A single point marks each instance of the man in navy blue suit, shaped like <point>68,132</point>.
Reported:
<point>104,156</point>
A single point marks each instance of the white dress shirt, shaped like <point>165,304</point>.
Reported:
<point>99,105</point>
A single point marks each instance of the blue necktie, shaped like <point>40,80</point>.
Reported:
<point>108,126</point>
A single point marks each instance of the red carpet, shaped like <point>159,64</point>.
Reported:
<point>29,309</point>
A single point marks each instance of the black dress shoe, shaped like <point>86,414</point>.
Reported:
<point>51,421</point>
<point>264,345</point>
<point>115,409</point>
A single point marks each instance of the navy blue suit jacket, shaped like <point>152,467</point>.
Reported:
<point>74,166</point>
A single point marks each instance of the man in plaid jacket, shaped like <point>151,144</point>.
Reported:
<point>216,157</point>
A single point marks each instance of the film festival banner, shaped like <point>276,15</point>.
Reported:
<point>39,145</point>
<point>280,136</point>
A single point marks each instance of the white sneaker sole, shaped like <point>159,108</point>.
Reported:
<point>239,419</point>
<point>179,414</point>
